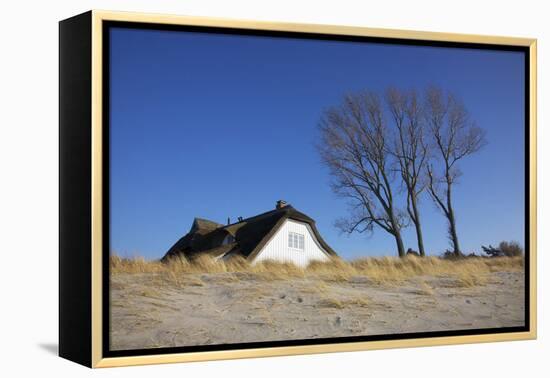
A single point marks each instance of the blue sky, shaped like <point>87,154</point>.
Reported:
<point>219,126</point>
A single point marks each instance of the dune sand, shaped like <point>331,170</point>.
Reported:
<point>219,308</point>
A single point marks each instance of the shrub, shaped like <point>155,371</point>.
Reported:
<point>511,249</point>
<point>450,255</point>
<point>508,249</point>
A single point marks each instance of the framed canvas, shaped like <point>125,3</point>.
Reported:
<point>234,189</point>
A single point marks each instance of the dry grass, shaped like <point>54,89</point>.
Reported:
<point>331,303</point>
<point>316,287</point>
<point>463,273</point>
<point>149,293</point>
<point>424,289</point>
<point>339,303</point>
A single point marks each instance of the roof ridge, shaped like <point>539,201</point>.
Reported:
<point>204,219</point>
<point>284,209</point>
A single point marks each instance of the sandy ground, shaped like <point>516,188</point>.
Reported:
<point>148,311</point>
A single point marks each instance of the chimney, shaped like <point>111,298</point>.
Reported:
<point>280,204</point>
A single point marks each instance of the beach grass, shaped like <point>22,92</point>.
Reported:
<point>465,272</point>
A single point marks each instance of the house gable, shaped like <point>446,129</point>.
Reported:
<point>277,248</point>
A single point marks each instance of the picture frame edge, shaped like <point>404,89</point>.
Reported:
<point>96,266</point>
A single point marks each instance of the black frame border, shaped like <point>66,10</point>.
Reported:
<point>75,181</point>
<point>106,25</point>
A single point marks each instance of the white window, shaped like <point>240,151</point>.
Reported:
<point>296,240</point>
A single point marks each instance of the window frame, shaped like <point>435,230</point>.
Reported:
<point>295,239</point>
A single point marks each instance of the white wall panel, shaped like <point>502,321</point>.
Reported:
<point>277,248</point>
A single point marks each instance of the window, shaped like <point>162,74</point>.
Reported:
<point>228,240</point>
<point>296,240</point>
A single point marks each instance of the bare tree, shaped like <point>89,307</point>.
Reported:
<point>410,150</point>
<point>354,146</point>
<point>454,137</point>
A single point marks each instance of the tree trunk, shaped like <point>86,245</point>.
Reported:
<point>418,227</point>
<point>452,223</point>
<point>399,242</point>
<point>453,234</point>
<point>396,231</point>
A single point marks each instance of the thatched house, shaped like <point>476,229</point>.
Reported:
<point>283,234</point>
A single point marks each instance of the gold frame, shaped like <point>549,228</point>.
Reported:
<point>99,16</point>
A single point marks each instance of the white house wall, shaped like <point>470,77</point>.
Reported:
<point>277,248</point>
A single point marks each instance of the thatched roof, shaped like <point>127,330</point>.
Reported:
<point>200,224</point>
<point>250,235</point>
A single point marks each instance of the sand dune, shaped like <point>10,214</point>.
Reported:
<point>148,311</point>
